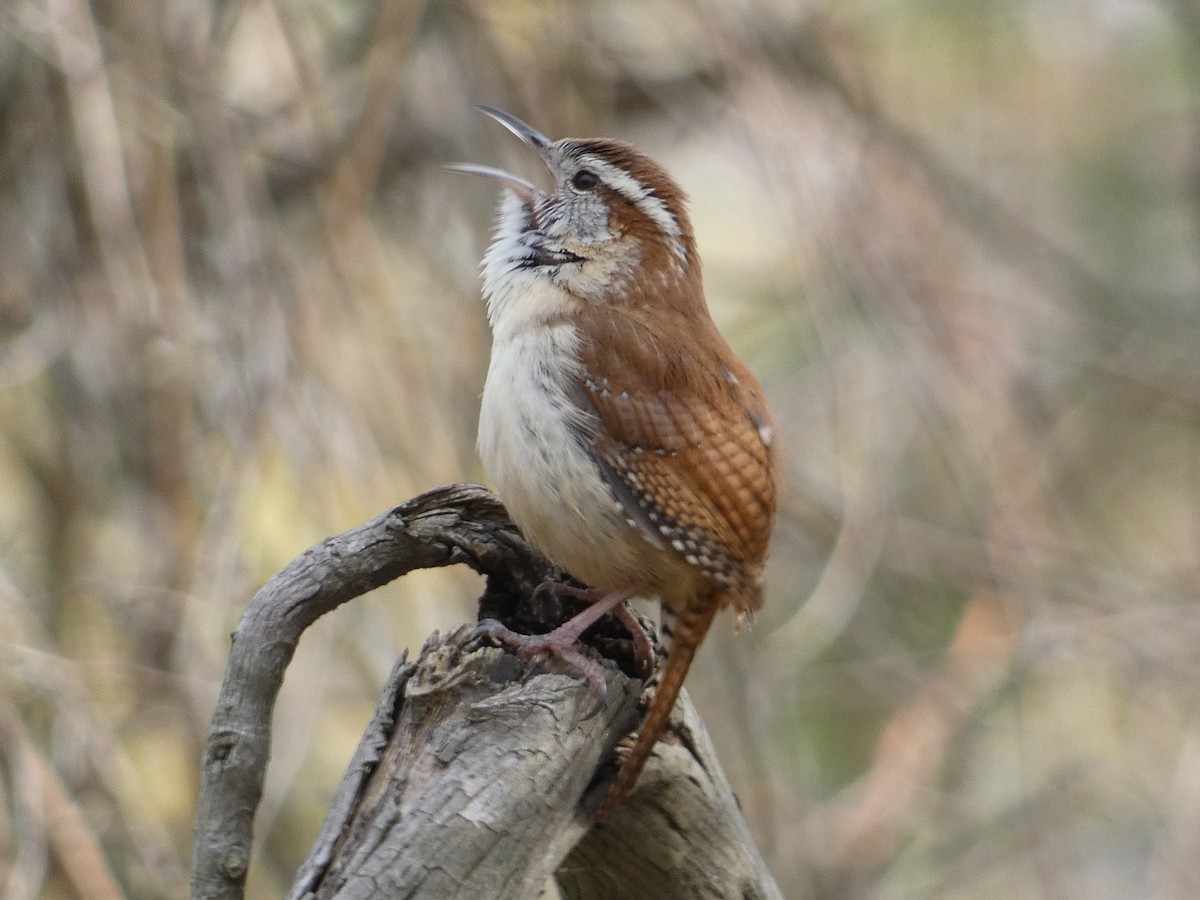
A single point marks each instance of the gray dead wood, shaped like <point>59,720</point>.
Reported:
<point>479,772</point>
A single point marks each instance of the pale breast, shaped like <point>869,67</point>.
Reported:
<point>531,446</point>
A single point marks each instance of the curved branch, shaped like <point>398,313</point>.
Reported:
<point>456,524</point>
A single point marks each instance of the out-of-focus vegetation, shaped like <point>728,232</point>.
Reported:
<point>959,242</point>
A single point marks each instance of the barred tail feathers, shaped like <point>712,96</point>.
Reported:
<point>683,633</point>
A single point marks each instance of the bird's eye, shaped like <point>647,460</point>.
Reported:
<point>585,180</point>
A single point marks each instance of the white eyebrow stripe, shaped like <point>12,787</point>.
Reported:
<point>635,192</point>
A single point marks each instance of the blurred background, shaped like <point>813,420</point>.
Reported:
<point>959,242</point>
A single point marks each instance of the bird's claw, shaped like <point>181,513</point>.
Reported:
<point>530,646</point>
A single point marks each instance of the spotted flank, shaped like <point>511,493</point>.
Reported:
<point>699,548</point>
<point>688,457</point>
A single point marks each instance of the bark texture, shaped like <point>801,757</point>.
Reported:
<point>478,775</point>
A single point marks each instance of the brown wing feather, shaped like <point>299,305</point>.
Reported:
<point>685,446</point>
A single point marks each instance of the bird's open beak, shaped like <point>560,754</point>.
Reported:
<point>538,142</point>
<point>527,133</point>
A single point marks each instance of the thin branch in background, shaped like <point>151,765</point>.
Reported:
<point>59,823</point>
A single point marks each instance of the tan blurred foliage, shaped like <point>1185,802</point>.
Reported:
<point>959,242</point>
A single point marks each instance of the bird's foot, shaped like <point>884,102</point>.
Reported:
<point>556,643</point>
<point>563,641</point>
<point>604,602</point>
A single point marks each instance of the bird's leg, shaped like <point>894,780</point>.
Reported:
<point>643,650</point>
<point>562,641</point>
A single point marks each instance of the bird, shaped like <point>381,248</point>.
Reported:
<point>627,440</point>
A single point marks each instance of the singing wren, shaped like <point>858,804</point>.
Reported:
<point>627,440</point>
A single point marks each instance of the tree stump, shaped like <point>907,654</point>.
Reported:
<point>480,771</point>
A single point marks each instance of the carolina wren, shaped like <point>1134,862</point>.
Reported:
<point>629,443</point>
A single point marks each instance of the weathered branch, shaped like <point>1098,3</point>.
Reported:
<point>462,523</point>
<point>469,783</point>
<point>479,773</point>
